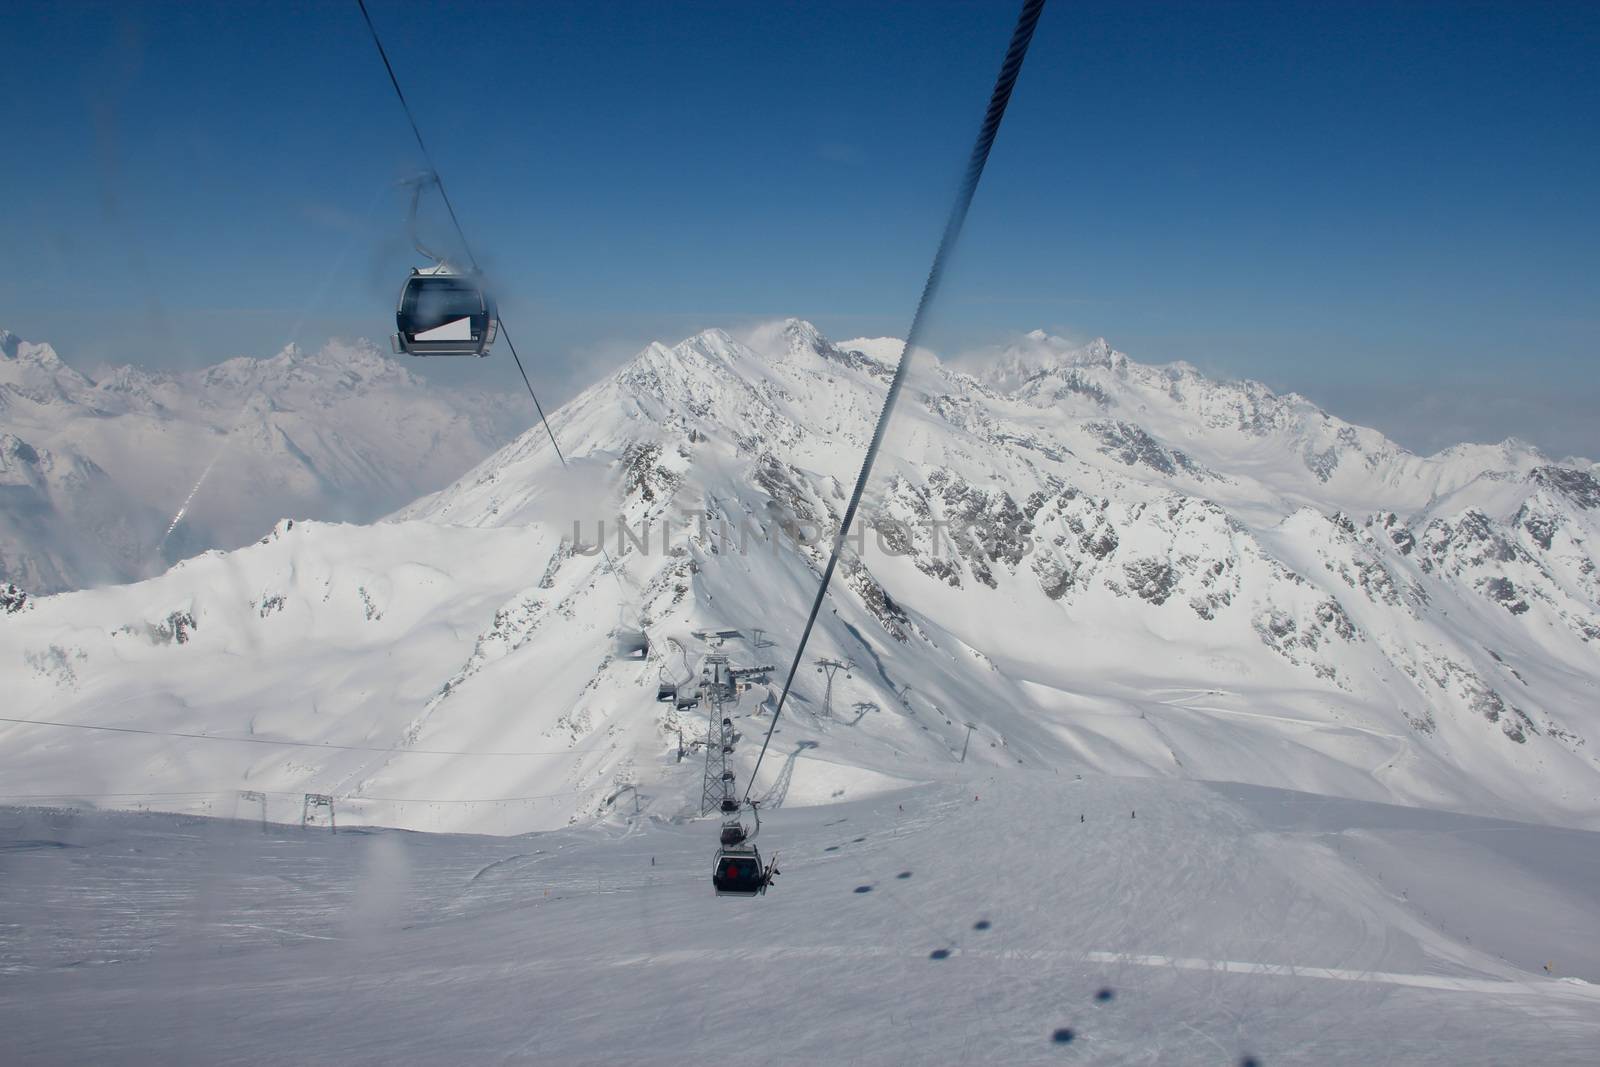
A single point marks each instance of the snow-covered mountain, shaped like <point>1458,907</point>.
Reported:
<point>1098,564</point>
<point>93,471</point>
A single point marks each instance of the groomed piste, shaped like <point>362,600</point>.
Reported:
<point>971,920</point>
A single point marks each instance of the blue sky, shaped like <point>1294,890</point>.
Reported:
<point>1389,207</point>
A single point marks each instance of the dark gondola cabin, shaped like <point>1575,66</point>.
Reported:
<point>442,313</point>
<point>738,873</point>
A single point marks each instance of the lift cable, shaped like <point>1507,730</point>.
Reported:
<point>283,743</point>
<point>473,259</point>
<point>1027,20</point>
<point>294,794</point>
<point>454,219</point>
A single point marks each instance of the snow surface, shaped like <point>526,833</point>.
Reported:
<point>970,920</point>
<point>1168,584</point>
<point>1223,584</point>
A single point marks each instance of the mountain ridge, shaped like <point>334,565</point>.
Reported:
<point>1113,568</point>
<point>101,464</point>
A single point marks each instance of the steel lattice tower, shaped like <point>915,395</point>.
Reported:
<point>716,760</point>
<point>830,667</point>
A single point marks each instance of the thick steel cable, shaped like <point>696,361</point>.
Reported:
<point>1027,20</point>
<point>455,220</point>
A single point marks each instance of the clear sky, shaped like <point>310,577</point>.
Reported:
<point>1390,207</point>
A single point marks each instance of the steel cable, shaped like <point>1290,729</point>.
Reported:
<point>1027,20</point>
<point>466,246</point>
<point>444,194</point>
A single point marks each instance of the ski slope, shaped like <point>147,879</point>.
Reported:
<point>969,920</point>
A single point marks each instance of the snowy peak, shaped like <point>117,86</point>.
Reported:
<point>1130,568</point>
<point>1580,487</point>
<point>798,341</point>
<point>788,338</point>
<point>343,432</point>
<point>339,365</point>
<point>1513,455</point>
<point>1037,355</point>
<point>1130,499</point>
<point>33,372</point>
<point>791,343</point>
<point>767,369</point>
<point>1299,450</point>
<point>1238,442</point>
<point>1037,351</point>
<point>15,348</point>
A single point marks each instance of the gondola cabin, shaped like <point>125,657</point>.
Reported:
<point>738,872</point>
<point>444,313</point>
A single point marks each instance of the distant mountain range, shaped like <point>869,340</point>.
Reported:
<point>92,472</point>
<point>1098,564</point>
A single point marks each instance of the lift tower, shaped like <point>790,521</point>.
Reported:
<point>830,667</point>
<point>717,789</point>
